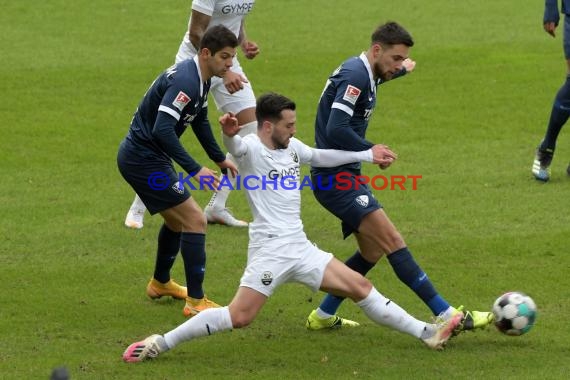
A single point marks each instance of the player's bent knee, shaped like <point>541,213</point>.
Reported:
<point>361,290</point>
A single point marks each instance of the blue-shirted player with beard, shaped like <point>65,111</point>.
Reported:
<point>178,99</point>
<point>561,106</point>
<point>343,113</point>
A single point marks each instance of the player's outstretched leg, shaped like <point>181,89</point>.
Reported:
<point>206,323</point>
<point>386,312</point>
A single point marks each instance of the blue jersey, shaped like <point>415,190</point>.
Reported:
<point>551,13</point>
<point>175,100</point>
<point>344,109</point>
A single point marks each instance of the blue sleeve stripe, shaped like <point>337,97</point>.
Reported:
<point>343,107</point>
<point>169,111</point>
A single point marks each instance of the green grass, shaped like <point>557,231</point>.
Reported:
<point>467,120</point>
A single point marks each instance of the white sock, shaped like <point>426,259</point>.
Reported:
<point>385,312</point>
<point>138,204</point>
<point>323,314</point>
<point>219,198</point>
<point>448,313</point>
<point>207,322</point>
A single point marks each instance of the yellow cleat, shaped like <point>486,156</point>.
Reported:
<point>156,289</point>
<point>314,322</point>
<point>472,320</point>
<point>194,306</point>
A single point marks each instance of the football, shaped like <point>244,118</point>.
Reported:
<point>515,313</point>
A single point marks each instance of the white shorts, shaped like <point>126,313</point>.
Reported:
<point>225,102</point>
<point>278,262</point>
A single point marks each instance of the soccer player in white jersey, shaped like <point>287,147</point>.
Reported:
<point>279,251</point>
<point>233,93</point>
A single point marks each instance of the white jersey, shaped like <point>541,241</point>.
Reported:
<point>276,209</point>
<point>228,13</point>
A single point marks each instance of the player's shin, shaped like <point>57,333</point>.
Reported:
<point>386,312</point>
<point>205,323</point>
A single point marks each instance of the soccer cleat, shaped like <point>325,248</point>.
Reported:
<point>445,329</point>
<point>194,306</point>
<point>473,320</point>
<point>568,169</point>
<point>149,348</point>
<point>156,289</point>
<point>314,322</point>
<point>541,164</point>
<point>223,216</point>
<point>135,218</point>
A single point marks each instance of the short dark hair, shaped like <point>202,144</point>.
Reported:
<point>391,33</point>
<point>270,105</point>
<point>218,37</point>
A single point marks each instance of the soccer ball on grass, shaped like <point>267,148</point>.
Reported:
<point>515,313</point>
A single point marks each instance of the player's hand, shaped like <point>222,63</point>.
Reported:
<point>250,49</point>
<point>409,65</point>
<point>234,81</point>
<point>383,156</point>
<point>207,178</point>
<point>550,28</point>
<point>228,164</point>
<point>229,123</point>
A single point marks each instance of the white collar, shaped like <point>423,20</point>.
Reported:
<point>364,60</point>
<point>199,74</point>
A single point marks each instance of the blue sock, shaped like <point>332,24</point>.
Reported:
<point>193,249</point>
<point>558,116</point>
<point>412,275</point>
<point>357,263</point>
<point>168,247</point>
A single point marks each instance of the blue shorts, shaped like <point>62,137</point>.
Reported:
<point>346,199</point>
<point>566,43</point>
<point>154,180</point>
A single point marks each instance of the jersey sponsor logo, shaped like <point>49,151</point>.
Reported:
<point>362,200</point>
<point>181,101</point>
<point>293,171</point>
<point>266,278</point>
<point>351,94</point>
<point>238,9</point>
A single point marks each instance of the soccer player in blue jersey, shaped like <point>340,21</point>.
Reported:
<point>175,100</point>
<point>561,107</point>
<point>344,110</point>
<point>233,93</point>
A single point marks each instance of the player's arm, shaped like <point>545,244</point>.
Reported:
<point>203,131</point>
<point>198,24</point>
<point>327,158</point>
<point>338,129</point>
<point>408,65</point>
<point>232,141</point>
<point>163,132</point>
<point>551,17</point>
<point>249,48</point>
